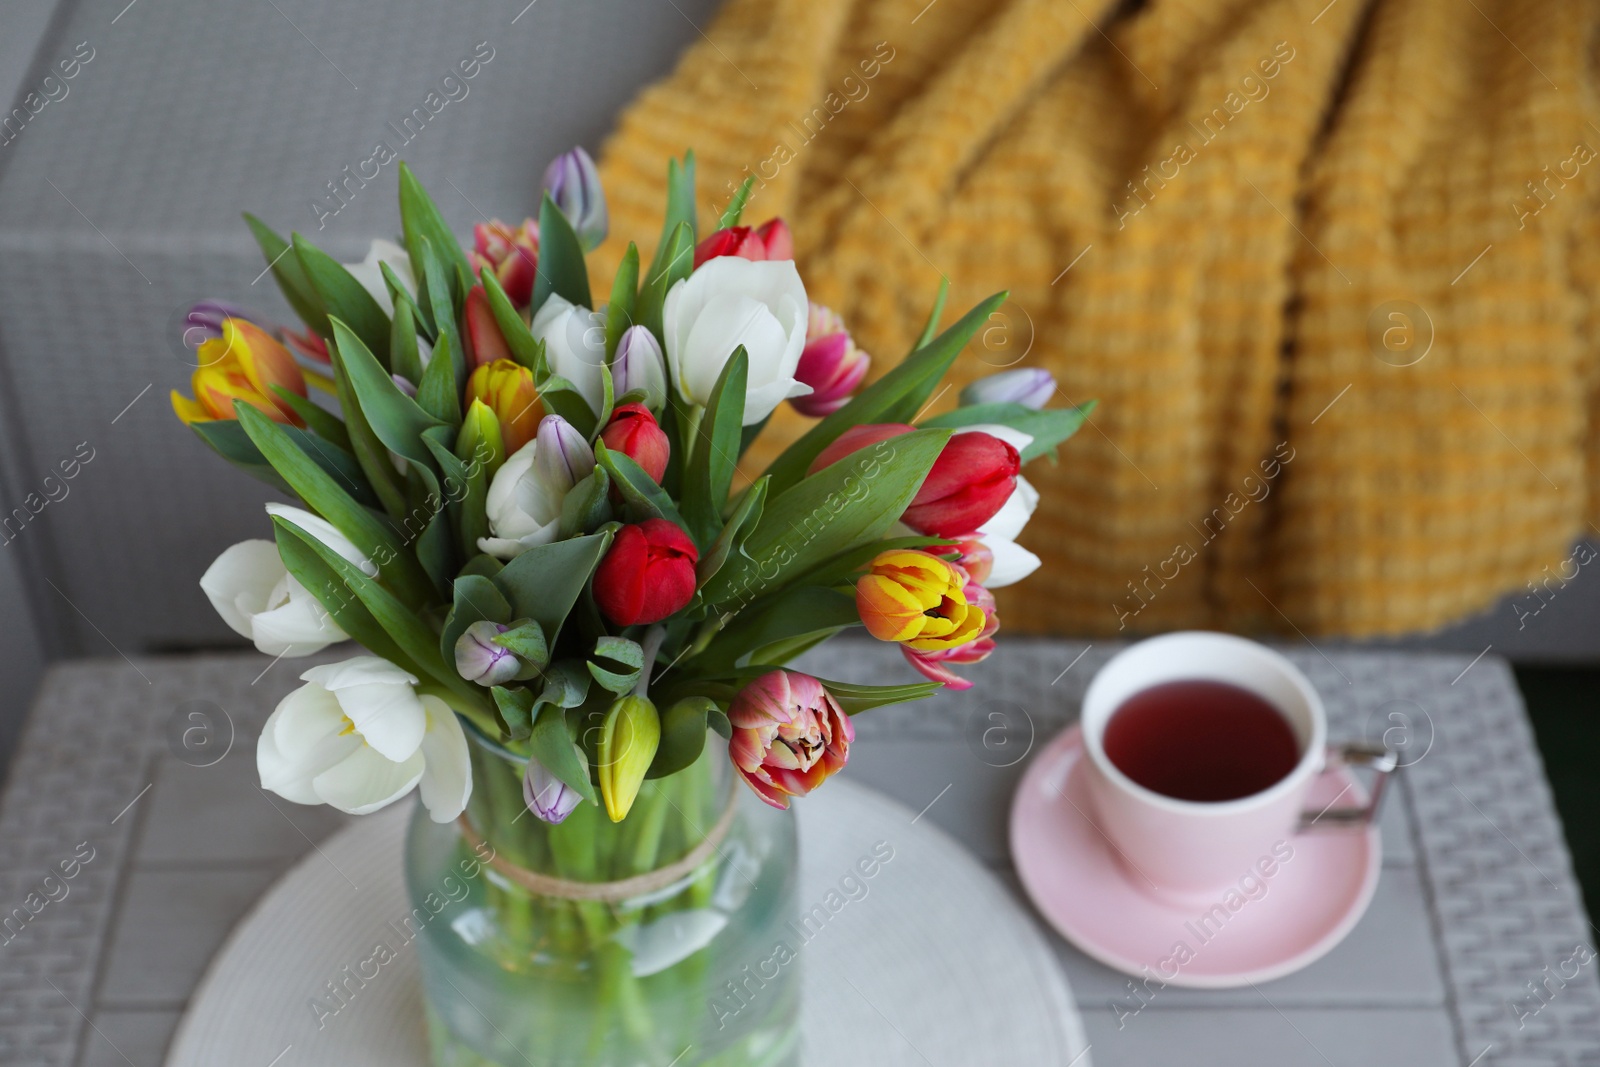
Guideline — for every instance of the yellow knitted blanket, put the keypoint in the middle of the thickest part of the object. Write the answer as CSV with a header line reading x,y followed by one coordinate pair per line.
x,y
1329,266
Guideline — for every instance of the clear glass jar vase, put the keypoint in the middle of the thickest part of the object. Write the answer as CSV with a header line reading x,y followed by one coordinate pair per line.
x,y
660,939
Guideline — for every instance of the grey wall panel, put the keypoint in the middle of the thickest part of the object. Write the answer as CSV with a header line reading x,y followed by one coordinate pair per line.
x,y
119,204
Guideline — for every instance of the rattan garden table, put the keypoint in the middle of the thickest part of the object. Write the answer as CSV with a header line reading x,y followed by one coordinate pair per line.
x,y
138,776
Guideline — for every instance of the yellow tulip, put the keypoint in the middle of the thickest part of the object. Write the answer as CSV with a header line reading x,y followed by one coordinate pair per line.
x,y
243,364
507,389
917,599
628,742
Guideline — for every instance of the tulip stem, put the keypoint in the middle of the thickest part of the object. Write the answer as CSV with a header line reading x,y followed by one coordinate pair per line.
x,y
652,645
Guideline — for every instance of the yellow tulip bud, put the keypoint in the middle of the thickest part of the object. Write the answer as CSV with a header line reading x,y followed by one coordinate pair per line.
x,y
628,741
507,389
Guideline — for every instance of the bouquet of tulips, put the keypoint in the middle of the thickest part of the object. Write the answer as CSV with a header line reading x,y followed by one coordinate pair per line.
x,y
532,515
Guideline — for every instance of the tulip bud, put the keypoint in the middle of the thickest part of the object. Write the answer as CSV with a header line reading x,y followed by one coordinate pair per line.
x,y
628,742
511,255
563,457
479,659
634,432
507,389
574,185
830,363
479,439
548,797
789,736
1031,387
647,575
770,240
482,337
970,480
638,364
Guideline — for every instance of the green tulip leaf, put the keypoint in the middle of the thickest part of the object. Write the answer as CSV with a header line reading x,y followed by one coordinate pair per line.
x,y
674,261
715,451
617,663
342,296
525,348
931,327
844,506
587,506
624,291
324,583
423,225
376,539
437,394
735,209
444,305
401,297
643,496
405,356
289,275
475,599
854,699
544,582
561,265
683,735
1048,427
552,745
526,641
516,710
800,611
745,517
229,440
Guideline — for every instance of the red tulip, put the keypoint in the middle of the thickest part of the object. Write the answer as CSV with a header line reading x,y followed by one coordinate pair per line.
x,y
770,240
647,575
831,364
969,482
789,736
482,337
634,432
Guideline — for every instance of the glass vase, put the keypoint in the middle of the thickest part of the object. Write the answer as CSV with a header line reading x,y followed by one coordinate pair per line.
x,y
660,939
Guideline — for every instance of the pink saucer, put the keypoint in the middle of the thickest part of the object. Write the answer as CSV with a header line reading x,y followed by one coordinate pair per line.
x,y
1276,926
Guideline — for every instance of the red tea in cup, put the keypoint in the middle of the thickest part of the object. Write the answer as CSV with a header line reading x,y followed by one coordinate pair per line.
x,y
1201,740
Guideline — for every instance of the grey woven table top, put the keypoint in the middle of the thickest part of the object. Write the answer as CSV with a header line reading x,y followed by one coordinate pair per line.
x,y
1475,950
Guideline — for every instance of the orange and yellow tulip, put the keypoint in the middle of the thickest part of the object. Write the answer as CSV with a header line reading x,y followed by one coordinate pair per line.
x,y
507,389
919,600
241,365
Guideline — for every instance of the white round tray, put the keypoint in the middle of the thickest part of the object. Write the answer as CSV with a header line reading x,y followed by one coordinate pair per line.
x,y
935,964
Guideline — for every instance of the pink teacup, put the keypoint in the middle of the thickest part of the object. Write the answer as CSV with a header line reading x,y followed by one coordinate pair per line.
x,y
1185,849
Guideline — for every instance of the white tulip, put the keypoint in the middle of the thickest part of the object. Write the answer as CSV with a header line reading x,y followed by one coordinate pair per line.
x,y
730,302
575,345
257,596
524,503
358,737
324,531
1012,562
370,274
